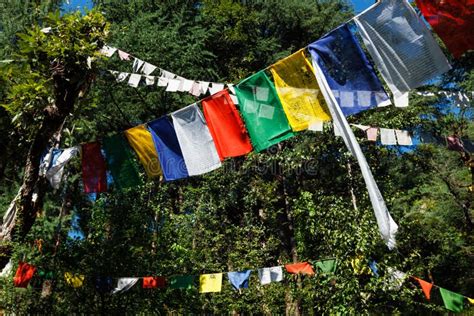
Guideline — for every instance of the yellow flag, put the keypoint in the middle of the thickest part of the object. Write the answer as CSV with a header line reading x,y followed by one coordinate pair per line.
x,y
74,280
210,283
141,141
299,92
471,300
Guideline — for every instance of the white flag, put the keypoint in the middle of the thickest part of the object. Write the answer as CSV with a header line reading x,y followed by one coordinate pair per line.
x,y
403,138
215,87
387,137
137,64
204,85
163,82
108,51
149,80
148,68
122,76
134,80
187,85
173,85
56,171
124,284
269,275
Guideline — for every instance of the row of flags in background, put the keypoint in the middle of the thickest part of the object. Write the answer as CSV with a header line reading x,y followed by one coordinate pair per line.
x,y
259,112
239,280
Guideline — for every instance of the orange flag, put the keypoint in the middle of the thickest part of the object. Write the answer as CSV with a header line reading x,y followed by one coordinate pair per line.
x,y
301,267
426,287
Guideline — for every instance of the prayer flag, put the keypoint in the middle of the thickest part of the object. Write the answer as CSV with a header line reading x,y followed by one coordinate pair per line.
x,y
181,282
103,284
93,168
124,284
372,134
452,301
24,274
395,279
134,80
373,268
148,68
195,140
300,267
167,147
56,170
298,91
327,266
387,226
120,162
209,283
123,55
7,269
348,72
107,50
268,275
162,82
262,111
387,137
149,80
403,138
141,141
74,280
137,64
471,300
401,46
226,126
453,21
215,87
122,76
239,280
173,85
154,282
204,86
426,287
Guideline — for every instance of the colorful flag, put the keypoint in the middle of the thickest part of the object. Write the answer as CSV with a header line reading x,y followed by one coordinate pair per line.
x,y
195,140
262,111
401,46
387,226
209,283
120,162
298,91
167,147
373,267
226,126
239,280
154,282
141,141
94,175
124,284
453,21
471,300
74,280
300,268
452,301
272,274
348,72
426,287
24,274
327,266
181,282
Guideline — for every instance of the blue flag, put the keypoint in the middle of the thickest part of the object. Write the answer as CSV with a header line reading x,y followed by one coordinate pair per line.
x,y
239,280
167,147
348,72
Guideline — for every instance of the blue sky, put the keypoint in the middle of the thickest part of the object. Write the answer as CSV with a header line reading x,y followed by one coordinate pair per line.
x,y
359,5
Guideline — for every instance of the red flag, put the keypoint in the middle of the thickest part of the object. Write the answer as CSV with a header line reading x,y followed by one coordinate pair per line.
x,y
23,274
154,282
453,21
301,267
226,126
93,168
426,287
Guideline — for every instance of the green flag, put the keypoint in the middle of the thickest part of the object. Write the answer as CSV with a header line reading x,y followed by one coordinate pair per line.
x,y
327,266
120,162
182,282
452,301
262,111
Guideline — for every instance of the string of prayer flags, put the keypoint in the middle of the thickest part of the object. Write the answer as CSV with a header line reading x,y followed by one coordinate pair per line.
x,y
426,287
154,282
298,91
195,140
453,21
226,126
327,266
387,137
141,141
185,282
94,170
74,280
262,111
167,147
124,284
120,162
103,284
239,280
299,268
209,283
269,275
24,274
387,226
452,301
401,46
348,72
